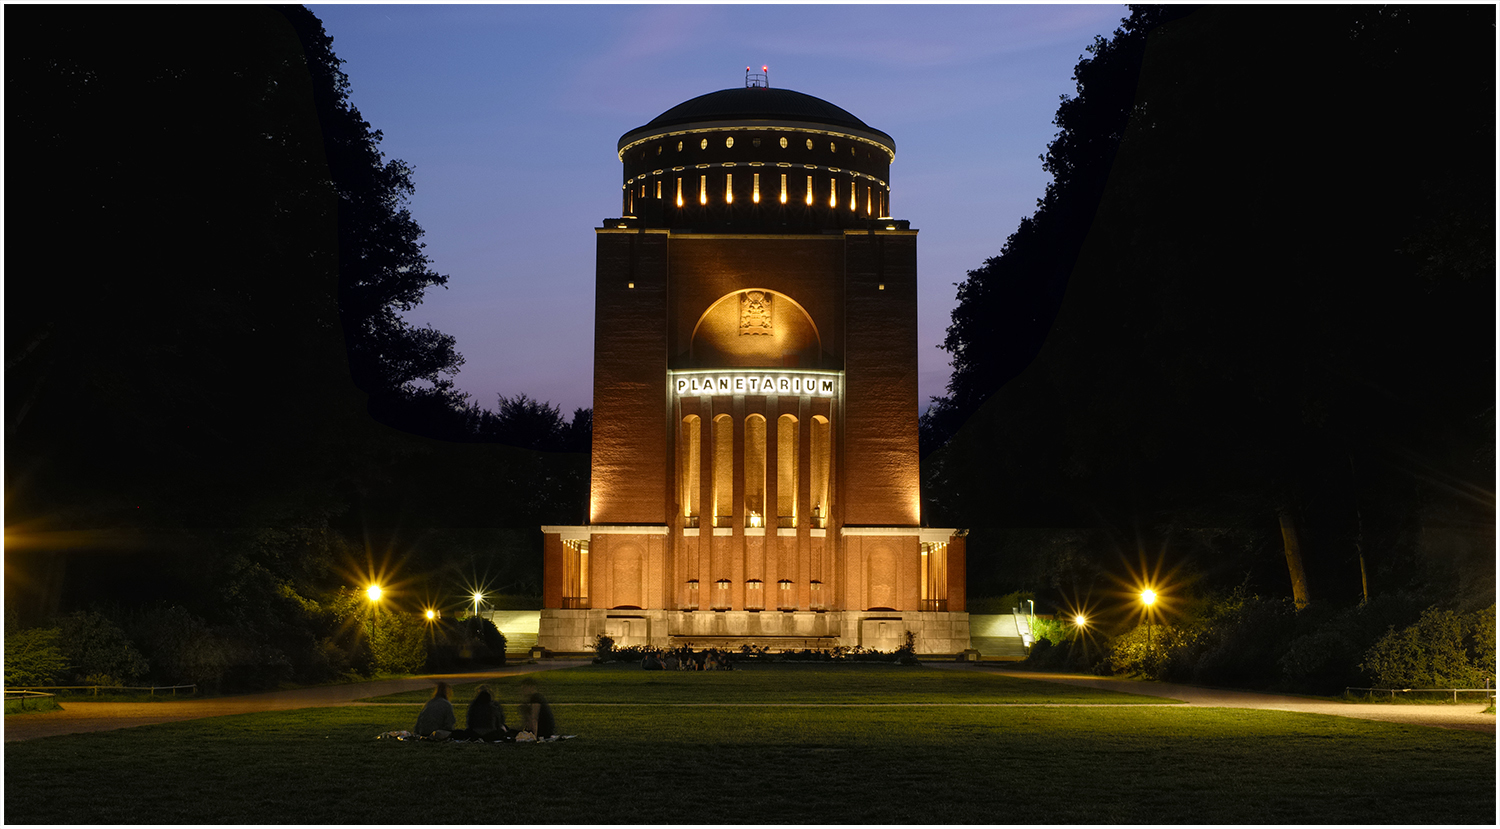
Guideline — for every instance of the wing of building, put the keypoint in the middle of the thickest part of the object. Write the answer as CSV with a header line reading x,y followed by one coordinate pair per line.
x,y
755,469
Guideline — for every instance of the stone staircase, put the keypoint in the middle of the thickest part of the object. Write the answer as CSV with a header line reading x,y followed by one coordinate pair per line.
x,y
996,636
519,627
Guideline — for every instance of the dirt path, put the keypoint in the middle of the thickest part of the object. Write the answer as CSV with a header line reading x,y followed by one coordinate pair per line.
x,y
78,716
1464,716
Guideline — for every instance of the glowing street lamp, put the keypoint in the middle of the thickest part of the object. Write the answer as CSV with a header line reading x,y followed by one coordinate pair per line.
x,y
373,593
431,614
478,597
1148,598
1081,620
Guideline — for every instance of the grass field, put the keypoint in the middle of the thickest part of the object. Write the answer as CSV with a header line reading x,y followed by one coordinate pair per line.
x,y
697,748
27,705
787,683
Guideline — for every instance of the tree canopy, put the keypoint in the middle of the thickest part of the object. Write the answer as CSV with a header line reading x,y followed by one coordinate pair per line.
x,y
208,255
1278,324
382,269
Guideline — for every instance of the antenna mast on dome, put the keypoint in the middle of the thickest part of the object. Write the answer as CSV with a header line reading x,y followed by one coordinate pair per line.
x,y
761,79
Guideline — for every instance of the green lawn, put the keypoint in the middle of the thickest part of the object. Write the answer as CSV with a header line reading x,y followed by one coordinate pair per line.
x,y
659,762
761,683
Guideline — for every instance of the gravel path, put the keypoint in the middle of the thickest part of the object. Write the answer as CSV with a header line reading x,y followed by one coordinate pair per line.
x,y
1465,715
78,716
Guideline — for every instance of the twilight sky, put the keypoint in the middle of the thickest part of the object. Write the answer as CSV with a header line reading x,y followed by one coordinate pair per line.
x,y
509,116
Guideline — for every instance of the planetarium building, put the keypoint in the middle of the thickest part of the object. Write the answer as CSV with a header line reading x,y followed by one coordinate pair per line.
x,y
755,468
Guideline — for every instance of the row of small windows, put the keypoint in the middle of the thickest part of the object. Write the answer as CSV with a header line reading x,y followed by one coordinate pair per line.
x,y
788,188
730,165
692,449
786,598
833,146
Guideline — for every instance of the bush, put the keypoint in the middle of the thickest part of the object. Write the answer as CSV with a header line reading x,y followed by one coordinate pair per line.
x,y
1442,650
180,647
488,637
1235,640
1479,641
1053,630
1322,662
98,652
33,657
398,644
907,653
1142,651
454,645
603,648
1073,654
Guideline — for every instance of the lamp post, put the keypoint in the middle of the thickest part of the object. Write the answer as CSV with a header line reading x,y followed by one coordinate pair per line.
x,y
478,597
1148,597
373,593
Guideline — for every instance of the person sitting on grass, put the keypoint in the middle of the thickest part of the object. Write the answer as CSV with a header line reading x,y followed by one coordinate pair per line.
x,y
486,719
536,714
436,720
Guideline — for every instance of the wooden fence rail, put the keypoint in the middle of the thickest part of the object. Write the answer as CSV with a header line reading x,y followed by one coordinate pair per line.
x,y
95,688
1454,691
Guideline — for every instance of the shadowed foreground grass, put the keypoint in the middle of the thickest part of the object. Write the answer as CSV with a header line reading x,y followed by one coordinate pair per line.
x,y
662,763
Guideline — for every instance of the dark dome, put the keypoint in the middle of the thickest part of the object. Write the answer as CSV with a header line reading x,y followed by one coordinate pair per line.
x,y
757,103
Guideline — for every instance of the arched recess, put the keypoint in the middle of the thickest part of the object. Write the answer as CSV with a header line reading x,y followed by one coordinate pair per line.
x,y
688,450
755,327
627,570
786,470
881,578
755,470
723,449
822,435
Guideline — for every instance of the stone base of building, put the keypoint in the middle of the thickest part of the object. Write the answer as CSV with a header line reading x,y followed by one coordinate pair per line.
x,y
574,631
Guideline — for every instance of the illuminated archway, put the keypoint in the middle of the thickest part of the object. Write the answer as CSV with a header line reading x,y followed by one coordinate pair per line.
x,y
755,327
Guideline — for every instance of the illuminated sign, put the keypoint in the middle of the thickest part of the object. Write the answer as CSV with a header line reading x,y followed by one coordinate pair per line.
x,y
707,384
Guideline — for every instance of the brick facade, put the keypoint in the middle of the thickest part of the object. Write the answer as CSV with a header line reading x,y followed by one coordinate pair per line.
x,y
755,468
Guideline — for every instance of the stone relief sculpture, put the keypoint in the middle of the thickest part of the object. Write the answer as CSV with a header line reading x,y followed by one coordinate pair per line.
x,y
755,312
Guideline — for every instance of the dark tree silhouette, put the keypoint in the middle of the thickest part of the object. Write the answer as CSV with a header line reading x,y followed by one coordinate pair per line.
x,y
1006,306
382,269
1278,333
527,423
580,432
176,380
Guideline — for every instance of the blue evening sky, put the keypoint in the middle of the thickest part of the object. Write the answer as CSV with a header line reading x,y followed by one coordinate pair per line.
x,y
509,115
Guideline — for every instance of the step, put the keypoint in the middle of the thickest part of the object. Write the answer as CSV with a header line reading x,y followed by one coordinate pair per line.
x,y
993,646
519,627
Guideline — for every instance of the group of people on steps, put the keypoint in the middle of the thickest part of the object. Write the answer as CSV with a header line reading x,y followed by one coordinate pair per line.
x,y
485,719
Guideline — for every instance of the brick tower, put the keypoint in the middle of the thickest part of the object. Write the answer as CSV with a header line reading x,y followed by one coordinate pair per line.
x,y
755,469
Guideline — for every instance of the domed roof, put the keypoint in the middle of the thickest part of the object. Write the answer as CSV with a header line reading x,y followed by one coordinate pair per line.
x,y
757,103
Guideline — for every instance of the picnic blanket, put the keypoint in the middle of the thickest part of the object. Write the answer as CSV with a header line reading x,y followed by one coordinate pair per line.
x,y
523,737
